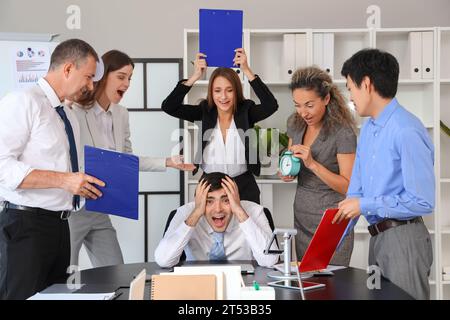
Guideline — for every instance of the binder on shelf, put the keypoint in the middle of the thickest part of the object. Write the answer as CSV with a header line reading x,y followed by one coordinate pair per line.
x,y
427,55
220,34
120,172
183,287
323,51
415,54
289,55
318,49
300,50
328,53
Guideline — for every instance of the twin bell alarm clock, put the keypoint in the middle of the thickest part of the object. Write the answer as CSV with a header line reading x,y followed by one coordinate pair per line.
x,y
289,165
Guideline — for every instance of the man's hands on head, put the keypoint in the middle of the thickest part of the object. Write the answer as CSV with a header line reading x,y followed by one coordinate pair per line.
x,y
201,194
232,191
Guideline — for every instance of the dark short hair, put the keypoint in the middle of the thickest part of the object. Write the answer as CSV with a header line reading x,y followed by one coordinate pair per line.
x,y
75,51
379,66
214,179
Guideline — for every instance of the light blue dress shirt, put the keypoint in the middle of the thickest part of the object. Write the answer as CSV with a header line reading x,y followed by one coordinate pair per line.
x,y
393,174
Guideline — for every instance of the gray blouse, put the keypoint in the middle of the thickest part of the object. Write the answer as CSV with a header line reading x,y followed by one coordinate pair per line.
x,y
324,150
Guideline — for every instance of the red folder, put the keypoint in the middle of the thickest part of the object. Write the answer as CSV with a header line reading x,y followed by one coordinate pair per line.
x,y
324,242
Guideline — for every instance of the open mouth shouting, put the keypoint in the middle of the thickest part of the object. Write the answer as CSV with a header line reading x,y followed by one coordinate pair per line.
x,y
308,119
219,220
121,93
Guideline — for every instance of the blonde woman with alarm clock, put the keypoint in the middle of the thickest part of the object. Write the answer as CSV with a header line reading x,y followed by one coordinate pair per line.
x,y
322,135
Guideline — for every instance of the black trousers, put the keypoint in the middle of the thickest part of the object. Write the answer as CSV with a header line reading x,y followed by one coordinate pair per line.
x,y
34,253
248,189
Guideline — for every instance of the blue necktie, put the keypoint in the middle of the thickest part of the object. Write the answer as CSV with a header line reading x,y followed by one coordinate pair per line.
x,y
217,250
73,149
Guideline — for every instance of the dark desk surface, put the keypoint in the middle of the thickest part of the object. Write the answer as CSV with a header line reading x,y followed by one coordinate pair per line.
x,y
346,284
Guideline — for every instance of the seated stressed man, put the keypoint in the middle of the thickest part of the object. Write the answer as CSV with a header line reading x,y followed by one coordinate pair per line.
x,y
217,226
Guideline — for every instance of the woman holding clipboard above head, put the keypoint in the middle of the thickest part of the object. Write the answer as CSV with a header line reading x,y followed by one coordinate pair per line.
x,y
104,123
322,136
226,116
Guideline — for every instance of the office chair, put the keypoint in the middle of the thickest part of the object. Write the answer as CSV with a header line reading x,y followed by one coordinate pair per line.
x,y
183,255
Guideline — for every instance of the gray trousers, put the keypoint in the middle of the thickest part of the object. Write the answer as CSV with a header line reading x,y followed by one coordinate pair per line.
x,y
404,255
99,237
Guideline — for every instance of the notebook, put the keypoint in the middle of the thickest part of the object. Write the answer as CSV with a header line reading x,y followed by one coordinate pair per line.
x,y
232,277
220,277
183,287
323,244
72,296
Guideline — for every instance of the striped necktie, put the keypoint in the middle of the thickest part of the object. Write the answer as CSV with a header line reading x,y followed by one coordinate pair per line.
x,y
217,250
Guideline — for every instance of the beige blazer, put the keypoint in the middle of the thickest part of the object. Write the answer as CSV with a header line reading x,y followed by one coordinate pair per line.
x,y
90,135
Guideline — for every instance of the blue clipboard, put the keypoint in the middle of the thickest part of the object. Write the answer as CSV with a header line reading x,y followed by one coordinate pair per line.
x,y
120,172
220,34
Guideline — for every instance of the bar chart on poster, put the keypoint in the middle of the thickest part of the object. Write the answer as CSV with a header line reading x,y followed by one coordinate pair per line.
x,y
22,63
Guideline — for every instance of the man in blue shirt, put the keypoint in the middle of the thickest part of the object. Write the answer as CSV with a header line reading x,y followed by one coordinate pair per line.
x,y
392,183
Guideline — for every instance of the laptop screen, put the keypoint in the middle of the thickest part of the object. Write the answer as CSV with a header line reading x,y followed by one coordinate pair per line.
x,y
323,244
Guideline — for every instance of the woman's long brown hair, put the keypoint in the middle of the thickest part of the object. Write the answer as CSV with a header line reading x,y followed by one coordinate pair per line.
x,y
337,113
112,60
236,84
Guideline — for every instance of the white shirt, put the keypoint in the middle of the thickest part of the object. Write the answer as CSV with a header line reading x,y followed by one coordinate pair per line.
x,y
228,157
105,125
242,241
33,136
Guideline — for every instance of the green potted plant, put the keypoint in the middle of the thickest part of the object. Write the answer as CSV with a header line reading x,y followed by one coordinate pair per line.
x,y
265,140
269,166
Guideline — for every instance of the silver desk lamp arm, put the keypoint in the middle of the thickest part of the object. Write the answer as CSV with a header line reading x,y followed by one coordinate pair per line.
x,y
287,241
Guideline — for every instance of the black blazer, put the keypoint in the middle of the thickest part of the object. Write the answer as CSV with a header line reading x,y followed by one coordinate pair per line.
x,y
247,114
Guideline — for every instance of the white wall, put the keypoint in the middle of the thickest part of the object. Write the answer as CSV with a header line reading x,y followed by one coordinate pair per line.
x,y
154,29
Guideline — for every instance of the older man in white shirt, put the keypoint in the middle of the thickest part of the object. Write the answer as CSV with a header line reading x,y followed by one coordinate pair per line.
x,y
39,182
218,226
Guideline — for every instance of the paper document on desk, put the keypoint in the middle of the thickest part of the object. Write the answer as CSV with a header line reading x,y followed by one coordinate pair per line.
x,y
329,269
72,296
232,274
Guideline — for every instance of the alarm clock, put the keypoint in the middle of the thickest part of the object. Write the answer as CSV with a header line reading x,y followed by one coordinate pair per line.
x,y
289,165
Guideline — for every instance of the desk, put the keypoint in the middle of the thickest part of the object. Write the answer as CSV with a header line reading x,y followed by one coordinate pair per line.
x,y
346,284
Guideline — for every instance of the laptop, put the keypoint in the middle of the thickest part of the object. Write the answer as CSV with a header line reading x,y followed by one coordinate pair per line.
x,y
319,252
247,268
323,243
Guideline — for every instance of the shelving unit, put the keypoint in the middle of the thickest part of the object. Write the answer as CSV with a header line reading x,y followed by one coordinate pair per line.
x,y
426,93
443,156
